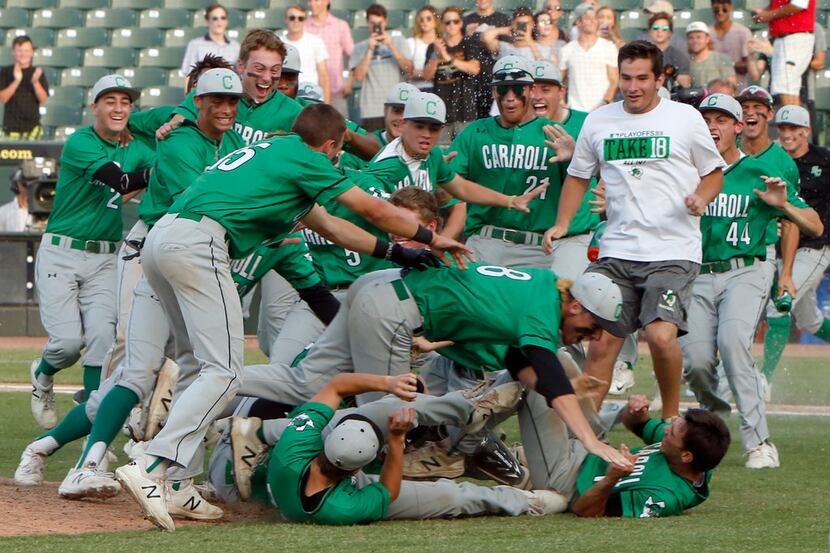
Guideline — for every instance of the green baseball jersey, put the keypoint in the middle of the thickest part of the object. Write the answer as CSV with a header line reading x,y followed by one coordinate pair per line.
x,y
512,161
348,160
180,159
292,261
488,304
85,208
395,169
261,192
583,220
253,121
338,266
144,124
382,137
653,489
735,222
776,157
291,459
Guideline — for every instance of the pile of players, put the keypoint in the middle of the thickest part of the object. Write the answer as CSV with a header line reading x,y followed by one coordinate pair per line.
x,y
369,299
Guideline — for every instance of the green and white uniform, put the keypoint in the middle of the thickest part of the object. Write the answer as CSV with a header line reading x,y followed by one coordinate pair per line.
x,y
348,160
144,124
729,296
254,196
75,272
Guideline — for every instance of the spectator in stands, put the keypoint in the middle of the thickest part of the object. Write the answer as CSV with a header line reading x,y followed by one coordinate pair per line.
x,y
381,62
337,36
663,6
454,62
791,26
760,53
554,9
481,19
730,38
706,65
808,86
313,53
214,42
589,64
14,216
660,31
517,39
608,28
719,86
426,29
23,88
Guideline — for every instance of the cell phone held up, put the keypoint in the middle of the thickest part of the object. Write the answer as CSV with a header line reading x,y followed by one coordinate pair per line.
x,y
521,26
376,29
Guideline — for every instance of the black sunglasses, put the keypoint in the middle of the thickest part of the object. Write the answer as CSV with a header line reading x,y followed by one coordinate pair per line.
x,y
296,18
503,89
510,75
218,17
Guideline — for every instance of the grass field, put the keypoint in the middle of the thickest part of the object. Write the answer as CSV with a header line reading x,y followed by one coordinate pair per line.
x,y
767,511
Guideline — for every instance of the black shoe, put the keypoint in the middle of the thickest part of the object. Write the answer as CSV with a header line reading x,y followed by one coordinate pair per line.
x,y
493,460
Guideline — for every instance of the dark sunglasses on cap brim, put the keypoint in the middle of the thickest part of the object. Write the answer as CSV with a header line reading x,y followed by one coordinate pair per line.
x,y
518,75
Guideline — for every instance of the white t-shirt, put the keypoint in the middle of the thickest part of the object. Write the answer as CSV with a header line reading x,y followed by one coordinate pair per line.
x,y
650,162
312,51
418,48
587,72
14,218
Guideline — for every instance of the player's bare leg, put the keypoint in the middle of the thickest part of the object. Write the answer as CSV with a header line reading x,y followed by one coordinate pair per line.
x,y
667,359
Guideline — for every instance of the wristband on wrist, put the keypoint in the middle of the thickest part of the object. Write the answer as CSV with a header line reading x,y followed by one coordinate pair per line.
x,y
381,247
423,235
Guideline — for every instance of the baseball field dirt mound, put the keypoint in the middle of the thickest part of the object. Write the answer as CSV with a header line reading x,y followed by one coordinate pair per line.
x,y
28,511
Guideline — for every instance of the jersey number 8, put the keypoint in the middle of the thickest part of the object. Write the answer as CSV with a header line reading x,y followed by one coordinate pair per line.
x,y
496,271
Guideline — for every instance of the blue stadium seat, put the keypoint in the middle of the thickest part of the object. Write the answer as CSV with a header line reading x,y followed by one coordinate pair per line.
x,y
282,4
165,18
632,20
345,15
57,18
53,75
161,96
350,4
6,57
84,4
180,37
62,133
32,4
137,4
70,95
87,117
112,18
169,58
54,114
111,56
82,76
138,37
58,57
14,17
85,37
142,77
40,37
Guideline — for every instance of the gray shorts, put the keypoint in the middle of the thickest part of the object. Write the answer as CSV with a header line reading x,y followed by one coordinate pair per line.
x,y
651,291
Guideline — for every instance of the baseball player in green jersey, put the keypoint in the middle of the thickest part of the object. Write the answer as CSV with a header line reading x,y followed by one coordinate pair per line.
x,y
275,185
813,254
75,271
508,153
731,291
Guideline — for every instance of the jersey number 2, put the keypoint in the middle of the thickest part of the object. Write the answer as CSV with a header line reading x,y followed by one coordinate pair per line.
x,y
114,202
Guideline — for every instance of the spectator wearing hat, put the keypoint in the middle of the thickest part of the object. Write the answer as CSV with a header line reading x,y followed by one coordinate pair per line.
x,y
312,49
730,37
706,65
337,36
214,42
675,60
23,88
589,64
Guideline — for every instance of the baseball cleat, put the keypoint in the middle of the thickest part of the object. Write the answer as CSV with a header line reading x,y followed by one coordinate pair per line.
x,y
187,503
43,399
545,502
622,379
493,460
150,493
248,452
159,405
432,462
134,425
89,481
494,401
762,456
30,470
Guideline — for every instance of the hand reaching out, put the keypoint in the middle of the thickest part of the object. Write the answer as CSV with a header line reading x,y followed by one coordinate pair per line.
x,y
560,142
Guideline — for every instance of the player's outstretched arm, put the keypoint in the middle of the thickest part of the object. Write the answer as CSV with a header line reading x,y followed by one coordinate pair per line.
x,y
573,191
392,472
805,218
474,193
350,384
364,146
594,502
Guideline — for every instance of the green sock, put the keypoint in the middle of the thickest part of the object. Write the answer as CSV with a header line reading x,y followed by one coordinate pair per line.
x,y
45,368
73,426
92,378
112,413
776,340
824,330
261,435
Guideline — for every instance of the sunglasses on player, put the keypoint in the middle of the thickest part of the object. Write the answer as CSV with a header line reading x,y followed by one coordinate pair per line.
x,y
503,89
510,75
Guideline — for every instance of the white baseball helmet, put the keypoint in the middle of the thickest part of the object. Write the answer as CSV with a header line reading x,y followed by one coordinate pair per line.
x,y
352,444
291,63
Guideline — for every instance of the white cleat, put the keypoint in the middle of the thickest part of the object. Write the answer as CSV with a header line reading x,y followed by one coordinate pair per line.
x,y
494,401
89,481
622,379
150,493
43,400
30,470
543,502
762,456
187,503
248,452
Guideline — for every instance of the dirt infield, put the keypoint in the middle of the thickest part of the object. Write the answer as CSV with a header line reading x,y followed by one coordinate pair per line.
x,y
20,506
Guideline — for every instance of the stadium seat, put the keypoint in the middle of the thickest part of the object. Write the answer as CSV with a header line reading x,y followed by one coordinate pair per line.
x,y
349,4
246,5
55,114
69,95
58,57
165,18
82,76
360,34
169,58
137,37
32,4
85,37
632,20
359,20
113,18
53,75
630,33
161,96
198,5
621,5
180,37
823,99
137,4
175,78
84,4
755,4
823,4
266,19
57,18
236,19
345,15
62,133
695,4
14,17
110,56
142,77
396,19
823,79
87,117
6,57
40,37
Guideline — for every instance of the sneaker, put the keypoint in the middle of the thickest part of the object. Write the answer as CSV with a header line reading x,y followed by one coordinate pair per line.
x,y
30,470
493,460
494,401
89,481
656,402
149,492
248,452
134,425
187,503
432,462
622,379
159,405
762,456
545,502
43,400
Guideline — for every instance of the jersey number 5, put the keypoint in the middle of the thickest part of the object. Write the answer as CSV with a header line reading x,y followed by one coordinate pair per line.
x,y
239,157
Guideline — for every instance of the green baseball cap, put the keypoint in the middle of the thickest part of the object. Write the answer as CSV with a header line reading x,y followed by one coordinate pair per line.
x,y
724,103
110,83
219,81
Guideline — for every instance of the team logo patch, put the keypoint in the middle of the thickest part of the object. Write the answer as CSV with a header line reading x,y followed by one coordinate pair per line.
x,y
618,311
816,171
636,172
667,300
301,422
652,508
